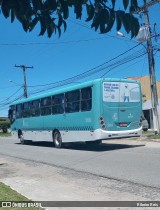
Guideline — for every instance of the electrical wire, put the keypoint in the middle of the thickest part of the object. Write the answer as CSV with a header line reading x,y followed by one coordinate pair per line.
x,y
124,62
125,68
55,43
11,101
110,67
88,71
83,75
1,102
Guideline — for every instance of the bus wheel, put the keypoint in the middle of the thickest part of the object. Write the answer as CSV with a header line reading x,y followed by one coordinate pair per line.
x,y
57,139
22,139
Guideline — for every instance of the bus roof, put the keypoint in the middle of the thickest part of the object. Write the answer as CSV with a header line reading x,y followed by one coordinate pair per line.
x,y
73,87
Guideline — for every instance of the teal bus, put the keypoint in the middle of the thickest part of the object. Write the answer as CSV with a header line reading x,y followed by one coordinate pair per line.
x,y
91,112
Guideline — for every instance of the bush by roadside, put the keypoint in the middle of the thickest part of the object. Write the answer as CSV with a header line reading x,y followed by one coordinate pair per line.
x,y
5,134
4,125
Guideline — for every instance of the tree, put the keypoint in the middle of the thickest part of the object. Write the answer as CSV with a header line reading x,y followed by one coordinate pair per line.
x,y
52,14
4,125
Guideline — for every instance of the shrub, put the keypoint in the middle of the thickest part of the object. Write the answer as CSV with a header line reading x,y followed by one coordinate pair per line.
x,y
4,125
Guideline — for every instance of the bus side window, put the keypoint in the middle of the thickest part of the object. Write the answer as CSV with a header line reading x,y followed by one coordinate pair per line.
x,y
58,104
19,111
86,99
46,106
26,110
72,101
35,108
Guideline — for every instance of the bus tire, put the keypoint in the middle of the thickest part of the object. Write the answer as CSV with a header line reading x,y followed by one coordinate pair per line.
x,y
57,139
21,138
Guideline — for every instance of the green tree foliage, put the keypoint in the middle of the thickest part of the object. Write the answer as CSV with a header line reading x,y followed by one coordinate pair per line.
x,y
52,14
4,125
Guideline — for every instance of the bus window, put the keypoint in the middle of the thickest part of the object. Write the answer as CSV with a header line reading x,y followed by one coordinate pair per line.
x,y
46,106
35,108
72,101
58,104
26,110
86,99
18,110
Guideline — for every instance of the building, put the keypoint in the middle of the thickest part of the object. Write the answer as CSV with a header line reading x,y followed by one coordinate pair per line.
x,y
146,97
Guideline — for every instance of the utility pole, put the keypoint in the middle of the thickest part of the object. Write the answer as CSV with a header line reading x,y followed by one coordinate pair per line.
x,y
23,67
151,62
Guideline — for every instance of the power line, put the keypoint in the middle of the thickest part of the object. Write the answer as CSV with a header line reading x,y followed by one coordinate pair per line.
x,y
55,43
6,104
110,67
124,62
10,102
94,70
89,28
88,71
129,66
9,97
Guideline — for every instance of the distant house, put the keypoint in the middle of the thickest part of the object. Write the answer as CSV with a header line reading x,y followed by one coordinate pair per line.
x,y
147,103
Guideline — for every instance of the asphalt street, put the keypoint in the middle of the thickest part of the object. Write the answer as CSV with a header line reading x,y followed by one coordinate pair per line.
x,y
129,160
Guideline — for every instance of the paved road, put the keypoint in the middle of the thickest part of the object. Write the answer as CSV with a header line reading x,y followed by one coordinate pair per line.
x,y
131,161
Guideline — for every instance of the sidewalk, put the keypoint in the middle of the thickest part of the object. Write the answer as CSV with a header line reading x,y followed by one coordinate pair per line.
x,y
148,137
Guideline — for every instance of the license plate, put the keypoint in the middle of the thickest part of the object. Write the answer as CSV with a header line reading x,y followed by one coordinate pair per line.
x,y
123,124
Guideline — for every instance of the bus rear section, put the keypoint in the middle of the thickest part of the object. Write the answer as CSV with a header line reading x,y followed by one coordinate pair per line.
x,y
121,109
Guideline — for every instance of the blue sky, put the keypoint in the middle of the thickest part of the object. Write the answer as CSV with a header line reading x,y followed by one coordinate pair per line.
x,y
79,49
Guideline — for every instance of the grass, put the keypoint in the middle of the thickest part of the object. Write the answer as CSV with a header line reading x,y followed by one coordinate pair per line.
x,y
5,134
148,132
154,137
150,136
7,194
